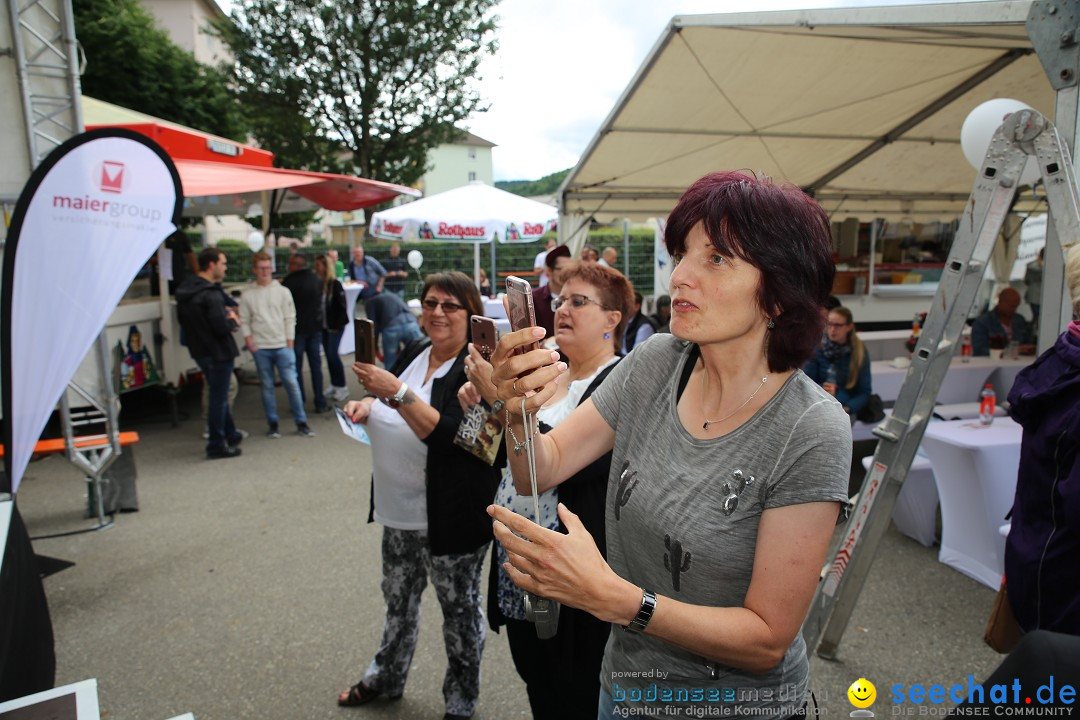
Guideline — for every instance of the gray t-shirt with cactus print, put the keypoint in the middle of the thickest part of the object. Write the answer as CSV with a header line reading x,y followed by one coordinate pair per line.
x,y
683,514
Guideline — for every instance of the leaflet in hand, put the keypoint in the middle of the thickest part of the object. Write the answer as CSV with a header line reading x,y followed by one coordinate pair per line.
x,y
353,429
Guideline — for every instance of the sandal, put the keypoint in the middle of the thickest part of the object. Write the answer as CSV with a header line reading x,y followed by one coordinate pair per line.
x,y
361,694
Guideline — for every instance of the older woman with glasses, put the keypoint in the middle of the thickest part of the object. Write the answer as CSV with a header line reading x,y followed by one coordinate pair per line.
x,y
840,364
729,466
562,674
429,495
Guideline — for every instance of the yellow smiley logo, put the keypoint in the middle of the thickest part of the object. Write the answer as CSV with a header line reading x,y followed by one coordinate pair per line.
x,y
862,693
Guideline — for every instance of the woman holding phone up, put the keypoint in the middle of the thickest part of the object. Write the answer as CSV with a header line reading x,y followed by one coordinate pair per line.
x,y
562,673
729,464
430,496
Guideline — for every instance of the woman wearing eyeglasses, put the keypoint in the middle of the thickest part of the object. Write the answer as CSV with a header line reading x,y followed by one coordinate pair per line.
x,y
843,352
728,471
562,674
430,496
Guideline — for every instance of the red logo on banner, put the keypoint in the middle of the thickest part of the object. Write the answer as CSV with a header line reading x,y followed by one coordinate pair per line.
x,y
112,177
460,231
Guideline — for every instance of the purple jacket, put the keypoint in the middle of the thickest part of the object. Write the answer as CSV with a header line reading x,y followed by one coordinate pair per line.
x,y
1042,552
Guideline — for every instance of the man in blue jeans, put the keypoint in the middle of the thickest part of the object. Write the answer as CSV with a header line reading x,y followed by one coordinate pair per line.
x,y
208,326
394,323
268,317
307,295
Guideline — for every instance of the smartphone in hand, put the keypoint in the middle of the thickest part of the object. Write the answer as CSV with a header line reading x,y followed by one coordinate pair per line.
x,y
522,314
364,330
484,335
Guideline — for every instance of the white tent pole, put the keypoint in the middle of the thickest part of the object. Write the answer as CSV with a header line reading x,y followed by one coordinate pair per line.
x,y
1056,311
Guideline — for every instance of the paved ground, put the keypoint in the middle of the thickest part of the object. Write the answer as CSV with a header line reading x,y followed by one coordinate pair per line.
x,y
249,588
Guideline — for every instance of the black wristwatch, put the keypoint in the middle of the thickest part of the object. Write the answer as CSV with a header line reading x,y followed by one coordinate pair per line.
x,y
644,613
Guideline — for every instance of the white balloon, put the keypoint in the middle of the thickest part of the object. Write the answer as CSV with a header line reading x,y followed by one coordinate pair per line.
x,y
256,241
416,259
979,128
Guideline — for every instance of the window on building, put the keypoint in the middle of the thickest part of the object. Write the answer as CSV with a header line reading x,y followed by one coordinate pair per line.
x,y
472,153
472,176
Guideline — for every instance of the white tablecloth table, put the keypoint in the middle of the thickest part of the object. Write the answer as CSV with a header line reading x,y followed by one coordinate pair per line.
x,y
975,470
348,338
494,308
915,512
885,344
962,384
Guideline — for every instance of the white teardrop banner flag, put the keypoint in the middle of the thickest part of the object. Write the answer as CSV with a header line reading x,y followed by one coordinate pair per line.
x,y
88,219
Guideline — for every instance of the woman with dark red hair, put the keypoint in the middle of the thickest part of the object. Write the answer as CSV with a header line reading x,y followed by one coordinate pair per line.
x,y
728,471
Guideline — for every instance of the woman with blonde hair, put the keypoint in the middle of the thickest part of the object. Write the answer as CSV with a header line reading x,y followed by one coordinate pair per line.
x,y
335,319
843,351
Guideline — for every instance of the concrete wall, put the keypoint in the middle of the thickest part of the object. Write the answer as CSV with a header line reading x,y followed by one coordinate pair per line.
x,y
186,22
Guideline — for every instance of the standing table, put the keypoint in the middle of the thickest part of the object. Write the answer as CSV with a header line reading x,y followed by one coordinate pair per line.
x,y
348,337
975,469
962,383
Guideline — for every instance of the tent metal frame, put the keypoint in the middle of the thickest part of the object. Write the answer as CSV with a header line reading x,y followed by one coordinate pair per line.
x,y
1052,27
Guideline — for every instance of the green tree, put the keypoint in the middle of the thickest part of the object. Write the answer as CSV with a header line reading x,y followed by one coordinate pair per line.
x,y
372,84
131,62
531,188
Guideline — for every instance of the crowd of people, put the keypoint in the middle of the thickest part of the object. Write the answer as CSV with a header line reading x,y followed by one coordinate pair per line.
x,y
691,464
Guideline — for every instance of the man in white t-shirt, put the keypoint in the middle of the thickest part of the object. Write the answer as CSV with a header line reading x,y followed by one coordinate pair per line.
x,y
538,264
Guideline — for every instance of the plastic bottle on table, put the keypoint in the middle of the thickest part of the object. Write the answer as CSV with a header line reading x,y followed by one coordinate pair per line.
x,y
987,404
965,347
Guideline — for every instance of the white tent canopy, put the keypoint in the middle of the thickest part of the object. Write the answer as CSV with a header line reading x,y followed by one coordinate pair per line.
x,y
476,213
861,106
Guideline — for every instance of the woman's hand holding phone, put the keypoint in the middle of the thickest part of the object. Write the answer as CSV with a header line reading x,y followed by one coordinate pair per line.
x,y
530,375
380,383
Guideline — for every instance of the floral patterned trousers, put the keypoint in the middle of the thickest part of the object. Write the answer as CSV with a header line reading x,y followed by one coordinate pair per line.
x,y
407,563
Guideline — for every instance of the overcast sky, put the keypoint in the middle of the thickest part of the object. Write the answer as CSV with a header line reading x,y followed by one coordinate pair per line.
x,y
562,64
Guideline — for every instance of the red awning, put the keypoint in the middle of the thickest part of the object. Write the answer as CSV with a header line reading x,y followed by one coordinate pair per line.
x,y
220,176
333,192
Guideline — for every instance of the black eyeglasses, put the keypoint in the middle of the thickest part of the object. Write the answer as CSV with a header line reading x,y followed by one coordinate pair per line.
x,y
576,301
447,307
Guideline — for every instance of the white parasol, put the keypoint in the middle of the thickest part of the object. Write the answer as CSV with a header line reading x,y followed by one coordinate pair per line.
x,y
474,213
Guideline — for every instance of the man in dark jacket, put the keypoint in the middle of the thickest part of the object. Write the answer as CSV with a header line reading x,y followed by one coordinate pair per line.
x,y
208,325
306,289
639,328
394,323
557,258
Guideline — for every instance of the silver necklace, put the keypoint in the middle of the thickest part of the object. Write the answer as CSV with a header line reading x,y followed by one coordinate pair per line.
x,y
709,422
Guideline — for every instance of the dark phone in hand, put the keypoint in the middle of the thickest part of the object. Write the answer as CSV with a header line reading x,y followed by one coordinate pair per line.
x,y
365,340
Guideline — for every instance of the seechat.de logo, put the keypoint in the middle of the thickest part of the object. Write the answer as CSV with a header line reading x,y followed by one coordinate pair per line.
x,y
862,694
112,177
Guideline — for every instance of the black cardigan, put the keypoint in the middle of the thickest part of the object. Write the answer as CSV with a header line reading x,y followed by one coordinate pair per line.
x,y
460,486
